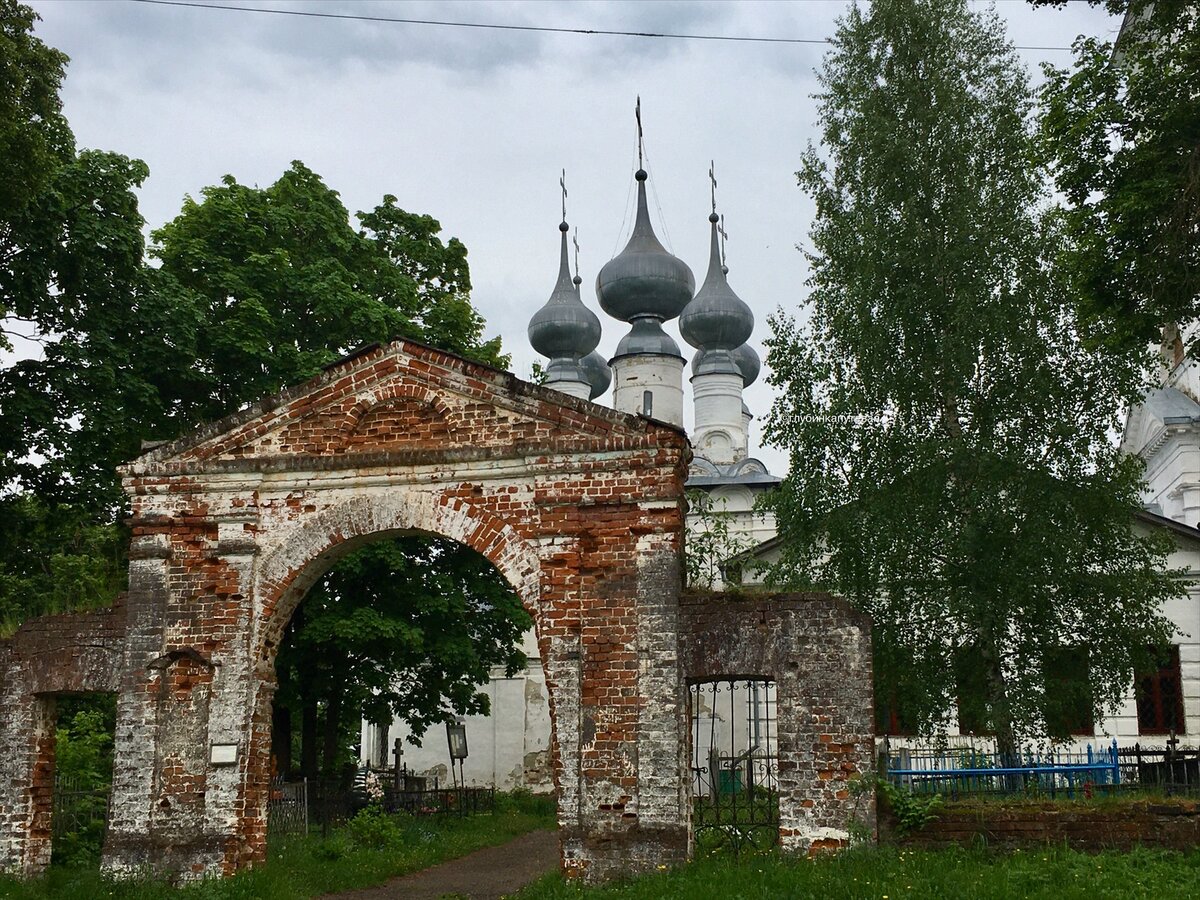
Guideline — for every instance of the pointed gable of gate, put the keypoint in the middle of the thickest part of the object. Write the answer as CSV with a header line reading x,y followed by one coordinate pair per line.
x,y
405,399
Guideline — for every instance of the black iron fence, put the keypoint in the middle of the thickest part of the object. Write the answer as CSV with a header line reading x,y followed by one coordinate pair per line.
x,y
79,807
1169,769
79,819
287,807
298,807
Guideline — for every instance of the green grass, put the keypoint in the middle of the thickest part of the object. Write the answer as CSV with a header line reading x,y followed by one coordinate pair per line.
x,y
876,873
367,852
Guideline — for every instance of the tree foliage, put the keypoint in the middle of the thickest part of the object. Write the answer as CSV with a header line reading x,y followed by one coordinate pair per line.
x,y
34,136
1122,132
951,464
285,285
405,627
255,289
712,540
83,767
56,558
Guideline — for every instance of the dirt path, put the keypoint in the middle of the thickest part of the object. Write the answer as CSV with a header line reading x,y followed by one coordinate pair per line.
x,y
486,874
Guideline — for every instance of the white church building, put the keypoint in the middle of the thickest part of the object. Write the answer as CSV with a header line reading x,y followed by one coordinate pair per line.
x,y
646,286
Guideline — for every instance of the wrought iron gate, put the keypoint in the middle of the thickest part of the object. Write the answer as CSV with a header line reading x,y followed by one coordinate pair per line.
x,y
735,763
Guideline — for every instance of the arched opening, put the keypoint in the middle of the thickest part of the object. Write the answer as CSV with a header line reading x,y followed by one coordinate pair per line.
x,y
392,630
406,628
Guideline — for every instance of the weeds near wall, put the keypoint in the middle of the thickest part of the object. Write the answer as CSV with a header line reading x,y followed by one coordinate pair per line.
x,y
912,811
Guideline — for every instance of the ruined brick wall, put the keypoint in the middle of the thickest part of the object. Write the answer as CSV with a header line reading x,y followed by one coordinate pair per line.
x,y
581,509
817,649
47,656
578,506
1170,824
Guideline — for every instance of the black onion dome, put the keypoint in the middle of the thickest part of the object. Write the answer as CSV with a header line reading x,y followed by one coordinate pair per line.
x,y
747,360
564,327
644,279
597,373
716,319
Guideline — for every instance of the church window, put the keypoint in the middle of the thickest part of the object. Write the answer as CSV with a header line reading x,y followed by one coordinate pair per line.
x,y
891,718
971,681
1160,696
1068,692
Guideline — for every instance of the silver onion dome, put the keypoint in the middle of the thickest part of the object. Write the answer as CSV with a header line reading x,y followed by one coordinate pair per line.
x,y
564,328
647,336
597,373
747,360
715,362
716,319
644,280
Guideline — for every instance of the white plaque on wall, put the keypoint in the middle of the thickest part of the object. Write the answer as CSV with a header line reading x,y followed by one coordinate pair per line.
x,y
224,754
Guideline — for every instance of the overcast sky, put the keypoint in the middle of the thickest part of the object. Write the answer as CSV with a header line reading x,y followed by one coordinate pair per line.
x,y
473,125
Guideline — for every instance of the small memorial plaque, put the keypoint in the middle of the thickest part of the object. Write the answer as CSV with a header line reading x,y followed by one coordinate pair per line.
x,y
224,754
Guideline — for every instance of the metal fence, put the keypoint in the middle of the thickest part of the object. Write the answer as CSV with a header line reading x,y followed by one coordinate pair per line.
x,y
1169,769
969,769
956,771
297,807
287,808
79,808
735,764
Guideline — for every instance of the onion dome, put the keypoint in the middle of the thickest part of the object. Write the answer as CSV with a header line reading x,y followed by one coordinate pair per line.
x,y
747,360
714,362
597,373
644,280
647,336
716,319
564,328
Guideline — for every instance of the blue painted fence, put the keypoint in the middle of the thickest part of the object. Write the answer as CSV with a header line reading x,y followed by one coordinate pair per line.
x,y
965,770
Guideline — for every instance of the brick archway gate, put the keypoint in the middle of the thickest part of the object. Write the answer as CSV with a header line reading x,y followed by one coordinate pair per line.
x,y
578,506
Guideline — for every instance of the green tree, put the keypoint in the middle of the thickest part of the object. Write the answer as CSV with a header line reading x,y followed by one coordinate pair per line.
x,y
404,627
257,289
70,269
285,285
952,468
83,765
711,541
56,558
1121,129
34,137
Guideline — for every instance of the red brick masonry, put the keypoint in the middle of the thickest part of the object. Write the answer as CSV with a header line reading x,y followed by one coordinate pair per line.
x,y
1108,825
580,507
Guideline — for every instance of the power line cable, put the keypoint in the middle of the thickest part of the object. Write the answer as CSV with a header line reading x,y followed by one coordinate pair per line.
x,y
398,20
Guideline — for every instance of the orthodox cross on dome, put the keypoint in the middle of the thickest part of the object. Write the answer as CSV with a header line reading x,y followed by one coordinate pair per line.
x,y
724,238
575,241
713,178
637,114
562,183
